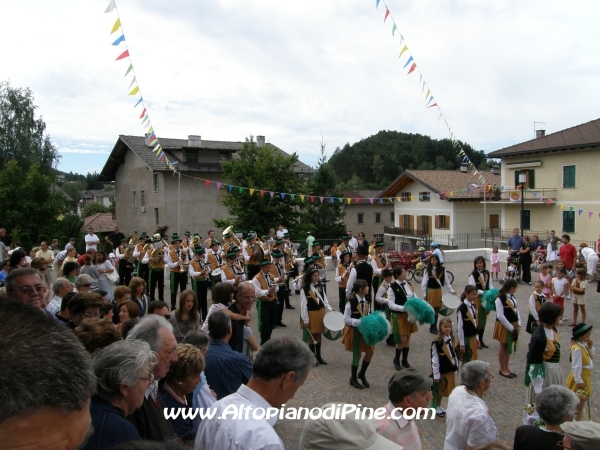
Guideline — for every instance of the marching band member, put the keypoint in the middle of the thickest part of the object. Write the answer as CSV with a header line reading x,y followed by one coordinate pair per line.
x,y
280,277
508,325
176,263
265,245
299,280
266,289
398,294
211,237
444,363
434,277
156,258
382,292
139,253
292,254
379,262
321,263
313,305
342,271
357,307
228,242
466,315
215,260
199,271
125,263
230,273
186,243
344,246
481,279
253,255
361,271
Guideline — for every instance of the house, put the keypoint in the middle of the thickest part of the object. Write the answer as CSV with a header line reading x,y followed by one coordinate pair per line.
x,y
440,204
104,197
561,167
149,194
368,215
101,223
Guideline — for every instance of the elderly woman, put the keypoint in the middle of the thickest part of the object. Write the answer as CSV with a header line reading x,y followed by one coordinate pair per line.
x,y
127,311
89,269
41,265
124,372
83,283
468,422
186,317
176,388
555,405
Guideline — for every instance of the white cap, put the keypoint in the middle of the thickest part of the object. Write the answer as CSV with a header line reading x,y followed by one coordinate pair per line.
x,y
347,434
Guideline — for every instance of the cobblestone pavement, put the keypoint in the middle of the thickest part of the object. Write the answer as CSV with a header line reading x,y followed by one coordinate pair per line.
x,y
505,398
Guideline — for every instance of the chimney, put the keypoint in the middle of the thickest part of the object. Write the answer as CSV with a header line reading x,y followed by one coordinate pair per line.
x,y
540,133
260,141
194,140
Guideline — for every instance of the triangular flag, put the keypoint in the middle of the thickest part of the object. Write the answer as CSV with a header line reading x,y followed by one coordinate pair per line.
x,y
377,3
293,196
428,92
321,198
139,101
135,90
240,189
371,200
331,199
143,113
579,211
312,197
119,40
272,193
302,198
390,200
133,81
549,201
394,29
431,106
116,26
251,191
380,200
207,183
428,101
402,51
261,192
357,200
341,200
282,195
349,200
229,187
413,67
409,61
387,13
571,209
145,120
110,7
129,69
590,214
125,54
398,198
219,185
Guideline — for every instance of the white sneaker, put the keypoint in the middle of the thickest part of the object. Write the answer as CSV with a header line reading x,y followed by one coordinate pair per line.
x,y
569,297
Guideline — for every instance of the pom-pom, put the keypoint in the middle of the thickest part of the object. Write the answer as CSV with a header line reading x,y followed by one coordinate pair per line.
x,y
489,299
420,310
374,328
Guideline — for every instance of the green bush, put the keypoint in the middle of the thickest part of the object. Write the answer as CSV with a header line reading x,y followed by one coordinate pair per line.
x,y
43,237
25,241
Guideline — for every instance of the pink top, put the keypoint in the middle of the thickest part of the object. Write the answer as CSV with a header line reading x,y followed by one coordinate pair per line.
x,y
495,258
545,279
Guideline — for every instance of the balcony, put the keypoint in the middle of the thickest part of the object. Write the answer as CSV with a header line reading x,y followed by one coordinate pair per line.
x,y
533,196
406,231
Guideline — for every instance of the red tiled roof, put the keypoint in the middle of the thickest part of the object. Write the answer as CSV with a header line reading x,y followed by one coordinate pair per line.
x,y
101,222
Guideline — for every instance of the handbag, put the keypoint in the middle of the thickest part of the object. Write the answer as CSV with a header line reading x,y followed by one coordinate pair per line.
x,y
113,277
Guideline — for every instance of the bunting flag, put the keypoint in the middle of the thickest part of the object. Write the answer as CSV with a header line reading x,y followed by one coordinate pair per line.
x,y
116,26
207,183
110,7
387,13
377,3
413,67
218,185
251,191
408,61
394,28
125,54
262,192
119,40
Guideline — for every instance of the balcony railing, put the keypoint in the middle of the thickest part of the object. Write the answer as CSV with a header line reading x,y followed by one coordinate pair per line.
x,y
405,231
532,195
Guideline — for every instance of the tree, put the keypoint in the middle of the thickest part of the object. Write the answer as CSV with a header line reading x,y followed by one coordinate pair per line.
x,y
324,219
73,189
23,136
255,169
94,208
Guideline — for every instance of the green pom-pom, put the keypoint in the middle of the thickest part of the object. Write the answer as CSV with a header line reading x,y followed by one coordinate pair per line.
x,y
421,310
488,299
374,328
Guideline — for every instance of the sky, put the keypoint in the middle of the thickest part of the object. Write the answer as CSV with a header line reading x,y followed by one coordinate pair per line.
x,y
293,71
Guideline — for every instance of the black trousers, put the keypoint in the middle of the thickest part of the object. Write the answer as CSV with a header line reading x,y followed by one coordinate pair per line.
x,y
342,296
268,316
178,280
526,269
200,287
125,270
282,297
142,272
157,278
377,306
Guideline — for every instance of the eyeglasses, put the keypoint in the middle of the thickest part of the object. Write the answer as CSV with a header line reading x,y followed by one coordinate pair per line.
x,y
168,317
91,316
28,290
149,378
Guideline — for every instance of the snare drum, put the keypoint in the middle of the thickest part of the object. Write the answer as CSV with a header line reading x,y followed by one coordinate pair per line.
x,y
449,304
216,272
334,324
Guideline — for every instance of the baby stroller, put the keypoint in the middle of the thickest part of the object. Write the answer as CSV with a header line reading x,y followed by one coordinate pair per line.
x,y
540,258
512,269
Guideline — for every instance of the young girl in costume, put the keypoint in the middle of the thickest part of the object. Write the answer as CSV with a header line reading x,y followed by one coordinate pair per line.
x,y
545,277
536,300
508,325
482,280
578,289
313,306
468,337
444,363
582,355
434,278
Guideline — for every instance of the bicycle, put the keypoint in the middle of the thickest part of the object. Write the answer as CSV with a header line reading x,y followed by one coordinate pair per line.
x,y
417,274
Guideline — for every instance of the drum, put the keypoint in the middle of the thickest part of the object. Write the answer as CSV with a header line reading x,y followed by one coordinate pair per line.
x,y
449,304
334,324
216,272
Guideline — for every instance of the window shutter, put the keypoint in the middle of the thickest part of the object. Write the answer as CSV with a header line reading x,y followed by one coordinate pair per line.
x,y
517,177
419,224
429,225
531,179
410,223
437,222
447,220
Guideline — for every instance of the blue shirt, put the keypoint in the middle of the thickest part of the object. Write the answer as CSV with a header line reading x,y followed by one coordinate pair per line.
x,y
3,275
110,426
515,242
226,370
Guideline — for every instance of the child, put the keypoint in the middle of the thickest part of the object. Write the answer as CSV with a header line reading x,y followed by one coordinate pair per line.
x,y
333,253
381,295
398,294
508,325
444,363
578,288
222,297
559,288
495,260
546,278
536,300
468,336
582,353
420,261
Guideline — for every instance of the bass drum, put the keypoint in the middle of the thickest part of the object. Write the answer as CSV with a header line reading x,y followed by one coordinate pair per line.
x,y
450,302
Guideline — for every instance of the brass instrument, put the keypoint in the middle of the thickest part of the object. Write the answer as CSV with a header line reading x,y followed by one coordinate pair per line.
x,y
348,269
229,230
156,258
163,242
204,269
147,247
195,242
128,255
289,264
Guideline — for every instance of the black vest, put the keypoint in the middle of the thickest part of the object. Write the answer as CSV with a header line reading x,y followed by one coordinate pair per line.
x,y
468,328
485,274
311,304
355,313
510,315
399,294
364,271
446,365
432,283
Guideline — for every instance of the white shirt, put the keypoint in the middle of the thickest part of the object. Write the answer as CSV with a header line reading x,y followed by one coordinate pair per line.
x,y
435,358
461,326
348,320
577,361
280,233
304,302
391,298
91,241
425,280
245,434
500,312
54,305
472,283
353,243
259,291
532,305
352,277
468,421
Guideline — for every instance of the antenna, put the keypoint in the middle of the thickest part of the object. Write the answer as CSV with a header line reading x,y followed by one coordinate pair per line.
x,y
534,130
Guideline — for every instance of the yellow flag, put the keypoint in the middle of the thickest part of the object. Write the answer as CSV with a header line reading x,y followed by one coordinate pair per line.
x,y
116,26
135,90
398,198
348,200
562,206
403,50
302,197
251,191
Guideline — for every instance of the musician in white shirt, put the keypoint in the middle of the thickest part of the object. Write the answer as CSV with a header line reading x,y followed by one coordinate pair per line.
x,y
397,295
313,306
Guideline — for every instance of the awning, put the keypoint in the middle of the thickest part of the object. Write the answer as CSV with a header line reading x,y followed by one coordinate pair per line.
x,y
524,165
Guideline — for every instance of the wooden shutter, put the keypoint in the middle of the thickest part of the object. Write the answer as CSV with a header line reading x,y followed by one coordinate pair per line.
x,y
429,225
447,222
517,177
494,221
411,223
531,179
437,222
419,224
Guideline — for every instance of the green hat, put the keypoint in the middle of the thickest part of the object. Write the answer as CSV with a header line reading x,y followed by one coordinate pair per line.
x,y
580,329
316,244
309,260
280,241
187,233
231,254
421,249
267,236
265,262
344,253
286,235
199,250
213,243
250,236
197,235
345,237
277,253
143,235
124,240
176,237
155,239
315,257
226,235
379,244
235,249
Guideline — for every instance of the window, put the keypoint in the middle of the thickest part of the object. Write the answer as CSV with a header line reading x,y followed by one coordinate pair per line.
x,y
442,222
424,225
155,181
530,181
361,217
569,176
143,199
223,156
156,217
191,155
568,225
377,217
494,221
424,196
405,196
526,219
406,222
392,216
134,199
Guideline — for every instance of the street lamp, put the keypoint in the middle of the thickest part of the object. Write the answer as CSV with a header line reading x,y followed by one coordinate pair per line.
x,y
522,181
